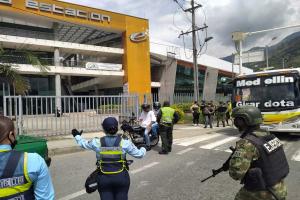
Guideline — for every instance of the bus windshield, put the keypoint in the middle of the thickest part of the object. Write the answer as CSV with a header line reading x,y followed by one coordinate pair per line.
x,y
269,93
265,93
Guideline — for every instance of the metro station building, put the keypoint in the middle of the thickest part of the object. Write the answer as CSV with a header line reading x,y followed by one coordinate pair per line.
x,y
97,52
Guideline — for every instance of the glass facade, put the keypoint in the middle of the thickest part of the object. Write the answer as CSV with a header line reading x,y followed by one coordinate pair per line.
x,y
185,79
41,85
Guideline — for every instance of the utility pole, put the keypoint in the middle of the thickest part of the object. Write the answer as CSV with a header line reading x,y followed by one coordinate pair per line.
x,y
196,80
194,30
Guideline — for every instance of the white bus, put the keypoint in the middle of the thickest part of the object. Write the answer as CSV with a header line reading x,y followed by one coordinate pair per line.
x,y
276,93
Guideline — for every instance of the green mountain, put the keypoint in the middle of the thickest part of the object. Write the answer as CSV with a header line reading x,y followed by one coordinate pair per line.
x,y
287,51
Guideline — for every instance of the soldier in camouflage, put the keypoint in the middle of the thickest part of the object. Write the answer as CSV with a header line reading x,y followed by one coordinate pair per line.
x,y
259,161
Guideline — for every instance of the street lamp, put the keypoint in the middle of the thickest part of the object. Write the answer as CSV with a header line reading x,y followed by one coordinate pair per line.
x,y
267,51
238,38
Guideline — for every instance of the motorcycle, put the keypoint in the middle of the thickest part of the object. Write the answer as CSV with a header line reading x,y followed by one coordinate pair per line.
x,y
136,134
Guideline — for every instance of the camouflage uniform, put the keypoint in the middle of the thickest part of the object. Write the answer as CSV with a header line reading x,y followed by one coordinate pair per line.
x,y
240,163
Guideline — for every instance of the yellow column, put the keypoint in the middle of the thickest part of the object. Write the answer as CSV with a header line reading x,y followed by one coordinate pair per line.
x,y
136,59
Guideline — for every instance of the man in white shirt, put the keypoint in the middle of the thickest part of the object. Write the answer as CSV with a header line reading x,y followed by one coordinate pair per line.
x,y
146,119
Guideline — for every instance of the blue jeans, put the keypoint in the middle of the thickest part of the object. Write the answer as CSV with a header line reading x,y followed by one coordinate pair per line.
x,y
155,128
146,136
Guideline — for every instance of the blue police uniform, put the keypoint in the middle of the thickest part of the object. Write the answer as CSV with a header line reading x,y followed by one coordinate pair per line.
x,y
112,186
28,179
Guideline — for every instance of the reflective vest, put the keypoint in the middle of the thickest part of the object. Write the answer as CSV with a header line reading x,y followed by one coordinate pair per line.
x,y
272,160
167,115
15,183
112,159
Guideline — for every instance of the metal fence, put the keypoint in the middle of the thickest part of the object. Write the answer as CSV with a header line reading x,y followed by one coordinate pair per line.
x,y
51,115
177,98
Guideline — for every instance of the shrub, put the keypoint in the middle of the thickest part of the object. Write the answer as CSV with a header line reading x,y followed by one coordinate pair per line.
x,y
185,107
180,112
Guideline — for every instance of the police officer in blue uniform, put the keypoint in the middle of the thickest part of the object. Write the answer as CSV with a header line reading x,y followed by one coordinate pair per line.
x,y
22,175
111,150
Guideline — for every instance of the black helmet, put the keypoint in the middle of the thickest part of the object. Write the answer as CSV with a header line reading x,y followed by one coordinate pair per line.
x,y
110,125
250,114
156,105
145,106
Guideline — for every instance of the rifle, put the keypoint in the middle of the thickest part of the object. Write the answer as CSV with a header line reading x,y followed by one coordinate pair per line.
x,y
225,167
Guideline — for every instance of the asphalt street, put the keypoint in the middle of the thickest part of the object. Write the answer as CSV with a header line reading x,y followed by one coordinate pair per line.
x,y
175,176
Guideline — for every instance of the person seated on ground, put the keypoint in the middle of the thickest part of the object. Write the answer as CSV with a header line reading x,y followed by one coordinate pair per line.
x,y
146,119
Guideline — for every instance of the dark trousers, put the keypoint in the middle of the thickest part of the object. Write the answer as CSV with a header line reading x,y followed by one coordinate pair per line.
x,y
221,117
114,186
196,116
166,134
208,120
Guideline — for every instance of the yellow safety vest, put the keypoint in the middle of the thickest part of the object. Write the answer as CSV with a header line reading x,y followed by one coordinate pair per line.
x,y
18,185
167,115
112,159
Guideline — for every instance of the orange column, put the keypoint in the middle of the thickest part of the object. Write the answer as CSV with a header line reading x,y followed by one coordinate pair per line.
x,y
136,59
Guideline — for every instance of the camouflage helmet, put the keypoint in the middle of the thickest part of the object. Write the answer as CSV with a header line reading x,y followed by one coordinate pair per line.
x,y
250,114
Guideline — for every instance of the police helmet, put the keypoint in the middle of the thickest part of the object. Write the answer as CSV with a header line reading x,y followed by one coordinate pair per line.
x,y
250,114
110,125
156,105
145,106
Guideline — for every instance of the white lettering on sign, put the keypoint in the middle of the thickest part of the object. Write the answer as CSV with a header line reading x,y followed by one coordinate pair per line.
x,y
268,81
243,103
70,11
272,145
6,1
267,104
57,9
279,79
243,83
281,103
46,7
33,4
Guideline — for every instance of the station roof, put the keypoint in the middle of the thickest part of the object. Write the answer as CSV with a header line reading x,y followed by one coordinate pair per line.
x,y
163,50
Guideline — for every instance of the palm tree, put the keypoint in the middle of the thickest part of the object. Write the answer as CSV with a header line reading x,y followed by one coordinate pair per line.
x,y
9,73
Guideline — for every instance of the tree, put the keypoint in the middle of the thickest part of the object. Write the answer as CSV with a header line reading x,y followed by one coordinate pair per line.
x,y
10,74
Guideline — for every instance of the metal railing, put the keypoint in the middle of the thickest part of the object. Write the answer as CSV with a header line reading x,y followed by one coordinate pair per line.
x,y
44,61
178,98
51,115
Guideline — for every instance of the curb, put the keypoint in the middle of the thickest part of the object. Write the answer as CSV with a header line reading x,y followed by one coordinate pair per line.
x,y
65,150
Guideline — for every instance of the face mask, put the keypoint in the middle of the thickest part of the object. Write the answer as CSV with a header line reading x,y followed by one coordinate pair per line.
x,y
14,143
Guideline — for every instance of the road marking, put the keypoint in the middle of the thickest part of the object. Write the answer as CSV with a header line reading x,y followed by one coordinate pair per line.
x,y
218,143
184,151
296,156
144,168
190,141
74,195
82,192
189,128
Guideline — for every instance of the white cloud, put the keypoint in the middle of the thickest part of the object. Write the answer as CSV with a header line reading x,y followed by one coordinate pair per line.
x,y
223,17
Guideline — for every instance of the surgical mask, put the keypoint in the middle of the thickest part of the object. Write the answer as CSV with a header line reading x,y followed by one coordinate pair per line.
x,y
14,143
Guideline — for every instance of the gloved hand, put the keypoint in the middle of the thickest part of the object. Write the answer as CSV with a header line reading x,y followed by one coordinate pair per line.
x,y
76,132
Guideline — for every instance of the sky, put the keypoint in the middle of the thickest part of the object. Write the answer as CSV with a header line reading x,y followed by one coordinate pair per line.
x,y
222,17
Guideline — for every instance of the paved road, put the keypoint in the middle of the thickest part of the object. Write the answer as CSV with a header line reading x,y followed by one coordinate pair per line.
x,y
175,176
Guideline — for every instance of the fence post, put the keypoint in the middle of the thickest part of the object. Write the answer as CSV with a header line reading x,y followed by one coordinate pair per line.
x,y
20,115
4,106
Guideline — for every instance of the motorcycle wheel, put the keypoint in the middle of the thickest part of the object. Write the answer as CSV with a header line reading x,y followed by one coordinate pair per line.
x,y
154,141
